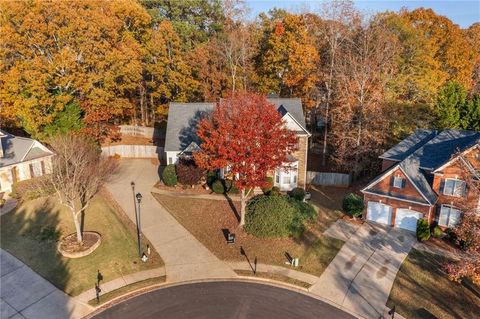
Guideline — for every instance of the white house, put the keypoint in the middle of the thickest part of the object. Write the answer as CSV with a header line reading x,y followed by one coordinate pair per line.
x,y
21,158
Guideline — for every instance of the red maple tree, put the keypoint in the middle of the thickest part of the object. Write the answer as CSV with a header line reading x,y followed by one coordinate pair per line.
x,y
246,133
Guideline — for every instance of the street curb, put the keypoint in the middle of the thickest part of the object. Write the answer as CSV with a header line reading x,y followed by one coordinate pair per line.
x,y
264,281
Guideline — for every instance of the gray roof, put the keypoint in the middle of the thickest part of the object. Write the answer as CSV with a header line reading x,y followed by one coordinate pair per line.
x,y
409,145
16,149
443,146
183,119
429,150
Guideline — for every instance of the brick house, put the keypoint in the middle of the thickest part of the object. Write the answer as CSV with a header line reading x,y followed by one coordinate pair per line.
x,y
181,139
21,158
422,177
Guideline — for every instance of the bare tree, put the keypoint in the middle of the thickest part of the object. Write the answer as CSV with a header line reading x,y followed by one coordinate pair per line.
x,y
359,121
78,172
338,18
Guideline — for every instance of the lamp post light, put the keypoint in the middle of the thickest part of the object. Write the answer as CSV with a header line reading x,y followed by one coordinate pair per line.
x,y
139,225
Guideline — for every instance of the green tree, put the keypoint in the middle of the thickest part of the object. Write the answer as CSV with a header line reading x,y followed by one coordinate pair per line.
x,y
70,119
470,114
450,103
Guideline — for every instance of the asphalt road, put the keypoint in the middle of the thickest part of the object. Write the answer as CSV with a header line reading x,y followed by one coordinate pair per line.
x,y
223,300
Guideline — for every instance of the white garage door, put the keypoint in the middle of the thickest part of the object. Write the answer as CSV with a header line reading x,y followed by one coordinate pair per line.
x,y
407,219
379,213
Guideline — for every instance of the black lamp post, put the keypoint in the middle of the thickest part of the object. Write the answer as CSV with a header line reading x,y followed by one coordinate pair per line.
x,y
139,225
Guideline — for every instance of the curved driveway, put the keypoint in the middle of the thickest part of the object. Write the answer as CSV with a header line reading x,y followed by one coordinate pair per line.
x,y
224,300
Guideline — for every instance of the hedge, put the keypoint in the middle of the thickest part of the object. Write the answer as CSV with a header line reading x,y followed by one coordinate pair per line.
x,y
169,175
267,189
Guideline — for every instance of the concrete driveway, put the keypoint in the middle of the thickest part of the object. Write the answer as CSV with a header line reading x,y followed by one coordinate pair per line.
x,y
361,276
24,294
184,256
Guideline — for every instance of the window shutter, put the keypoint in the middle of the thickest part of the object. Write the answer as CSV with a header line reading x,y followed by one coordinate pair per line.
x,y
404,182
442,186
32,174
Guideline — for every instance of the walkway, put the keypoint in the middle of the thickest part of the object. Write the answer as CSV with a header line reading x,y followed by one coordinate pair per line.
x,y
25,294
361,276
184,256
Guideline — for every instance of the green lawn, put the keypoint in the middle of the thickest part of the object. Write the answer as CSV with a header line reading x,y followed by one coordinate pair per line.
x,y
23,235
422,290
206,220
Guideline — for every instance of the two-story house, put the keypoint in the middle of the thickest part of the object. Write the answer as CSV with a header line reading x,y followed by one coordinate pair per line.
x,y
181,139
424,177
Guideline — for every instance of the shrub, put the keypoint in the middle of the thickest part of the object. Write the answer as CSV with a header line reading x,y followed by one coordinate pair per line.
x,y
219,186
275,191
188,172
2,202
271,216
423,229
169,175
437,232
298,193
267,189
230,187
353,205
31,189
211,177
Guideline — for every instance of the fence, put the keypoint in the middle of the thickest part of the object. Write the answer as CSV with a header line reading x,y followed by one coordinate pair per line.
x,y
333,179
134,130
134,151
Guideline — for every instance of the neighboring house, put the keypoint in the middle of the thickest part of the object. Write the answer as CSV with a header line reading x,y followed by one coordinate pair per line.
x,y
20,159
181,139
423,178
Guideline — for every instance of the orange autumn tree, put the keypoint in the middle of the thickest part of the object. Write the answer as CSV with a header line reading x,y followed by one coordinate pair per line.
x,y
246,133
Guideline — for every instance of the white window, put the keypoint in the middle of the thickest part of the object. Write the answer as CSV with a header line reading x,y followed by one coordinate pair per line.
x,y
286,178
398,182
170,161
454,187
449,216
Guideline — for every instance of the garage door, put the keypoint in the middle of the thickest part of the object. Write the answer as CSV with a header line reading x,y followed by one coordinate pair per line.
x,y
379,213
407,219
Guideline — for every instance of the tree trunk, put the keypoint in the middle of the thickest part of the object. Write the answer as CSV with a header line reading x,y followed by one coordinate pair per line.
x,y
242,208
78,227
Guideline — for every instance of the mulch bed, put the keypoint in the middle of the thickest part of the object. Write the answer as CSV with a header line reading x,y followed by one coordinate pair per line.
x,y
69,244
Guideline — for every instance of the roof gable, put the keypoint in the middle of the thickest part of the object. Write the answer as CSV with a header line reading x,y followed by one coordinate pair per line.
x,y
411,192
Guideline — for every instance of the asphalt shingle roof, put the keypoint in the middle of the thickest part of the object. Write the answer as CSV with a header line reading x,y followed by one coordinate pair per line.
x,y
409,145
428,151
183,119
16,148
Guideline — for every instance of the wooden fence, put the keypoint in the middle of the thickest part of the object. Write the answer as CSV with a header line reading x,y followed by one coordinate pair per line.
x,y
134,151
134,130
332,179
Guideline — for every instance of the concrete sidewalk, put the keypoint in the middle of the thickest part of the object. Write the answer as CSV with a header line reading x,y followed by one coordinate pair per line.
x,y
120,282
25,294
361,276
184,256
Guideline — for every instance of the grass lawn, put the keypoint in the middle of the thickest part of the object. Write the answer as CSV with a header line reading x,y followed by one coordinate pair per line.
x,y
277,277
206,220
422,290
328,201
21,235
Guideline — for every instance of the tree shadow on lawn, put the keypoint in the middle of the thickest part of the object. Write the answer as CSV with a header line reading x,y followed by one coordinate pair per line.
x,y
422,276
30,234
233,207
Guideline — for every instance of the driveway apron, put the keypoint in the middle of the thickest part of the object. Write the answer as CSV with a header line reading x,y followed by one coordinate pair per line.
x,y
361,276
